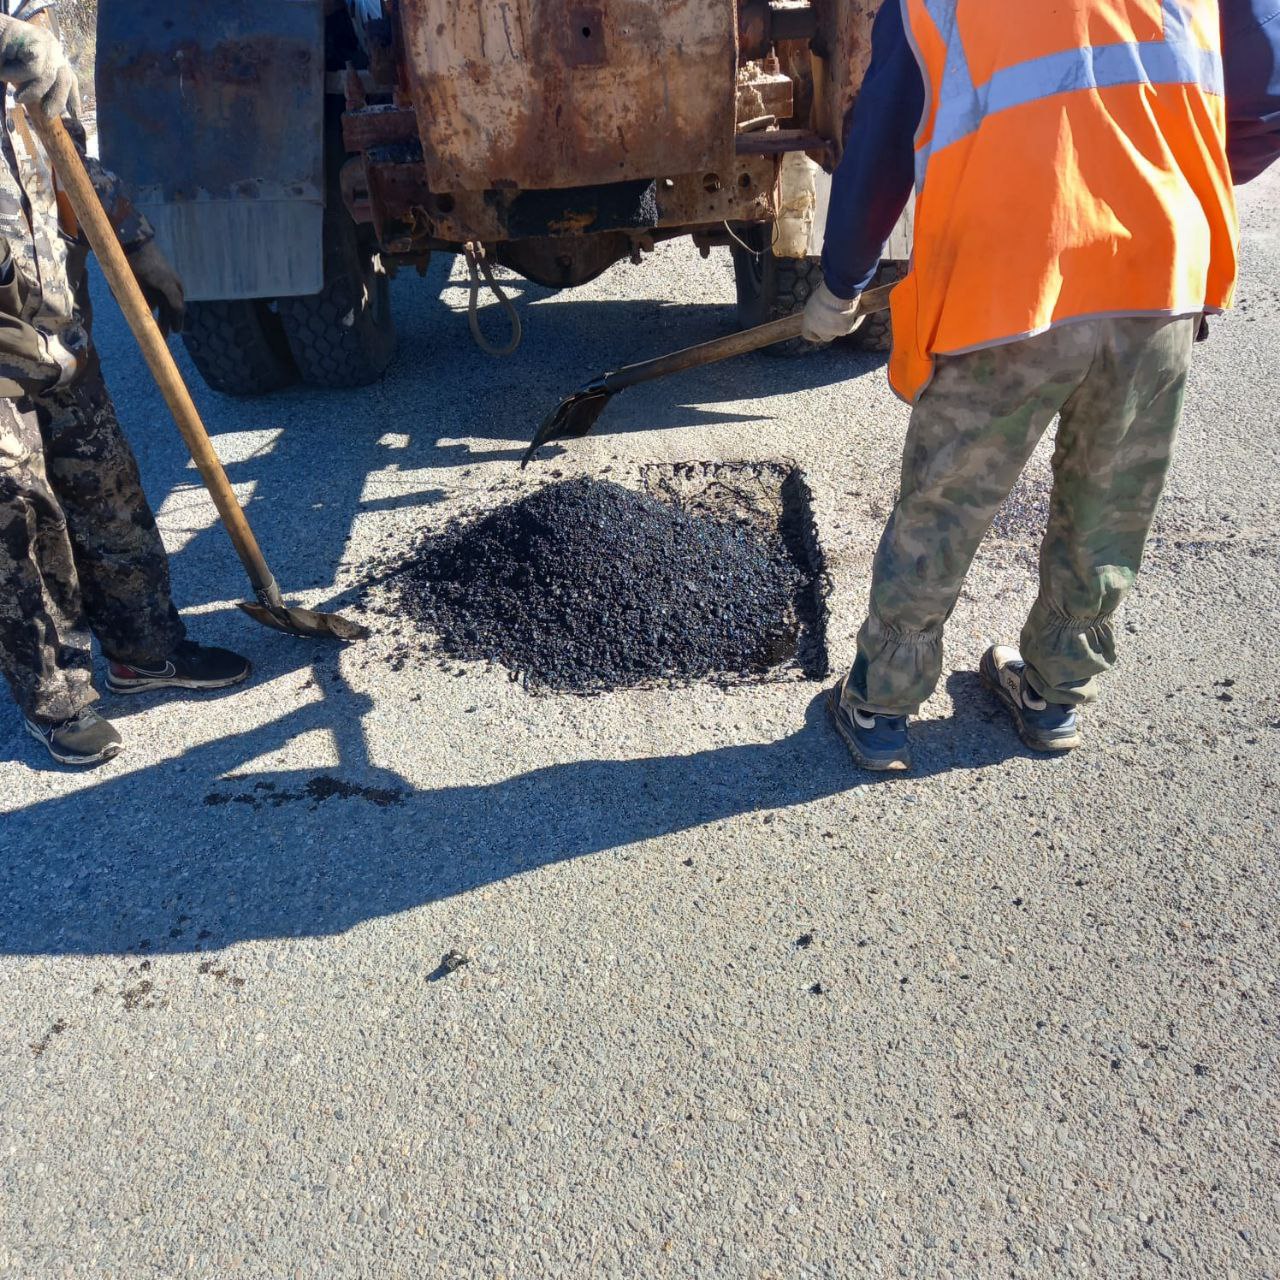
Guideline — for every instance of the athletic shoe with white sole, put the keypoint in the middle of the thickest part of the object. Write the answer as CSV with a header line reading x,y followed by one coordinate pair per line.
x,y
875,742
189,666
83,740
1042,725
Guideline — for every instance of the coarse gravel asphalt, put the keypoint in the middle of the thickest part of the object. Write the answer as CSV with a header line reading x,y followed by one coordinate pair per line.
x,y
589,585
730,1009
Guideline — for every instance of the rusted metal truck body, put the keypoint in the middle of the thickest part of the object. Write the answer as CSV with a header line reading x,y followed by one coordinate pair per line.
x,y
294,154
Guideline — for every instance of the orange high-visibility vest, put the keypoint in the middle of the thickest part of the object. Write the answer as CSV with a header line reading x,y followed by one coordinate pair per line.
x,y
1071,163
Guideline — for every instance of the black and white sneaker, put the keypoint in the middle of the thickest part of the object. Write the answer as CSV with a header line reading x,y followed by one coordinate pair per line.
x,y
1043,726
189,666
83,740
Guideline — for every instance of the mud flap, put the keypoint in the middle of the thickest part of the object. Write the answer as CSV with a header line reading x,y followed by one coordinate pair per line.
x,y
214,115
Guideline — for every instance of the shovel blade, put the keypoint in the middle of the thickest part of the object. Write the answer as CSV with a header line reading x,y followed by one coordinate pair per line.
x,y
304,622
571,418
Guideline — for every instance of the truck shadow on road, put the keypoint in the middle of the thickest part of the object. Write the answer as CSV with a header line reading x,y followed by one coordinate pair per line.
x,y
198,853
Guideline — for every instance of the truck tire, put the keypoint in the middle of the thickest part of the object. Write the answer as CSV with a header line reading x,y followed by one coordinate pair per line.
x,y
343,336
770,287
875,333
238,346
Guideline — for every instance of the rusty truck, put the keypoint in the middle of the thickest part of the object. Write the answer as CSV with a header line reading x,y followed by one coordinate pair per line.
x,y
293,156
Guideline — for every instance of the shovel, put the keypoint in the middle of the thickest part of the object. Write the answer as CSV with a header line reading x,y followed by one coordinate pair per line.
x,y
270,609
574,417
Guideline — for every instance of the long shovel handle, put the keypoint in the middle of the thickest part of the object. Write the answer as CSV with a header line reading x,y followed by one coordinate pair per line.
x,y
733,344
102,238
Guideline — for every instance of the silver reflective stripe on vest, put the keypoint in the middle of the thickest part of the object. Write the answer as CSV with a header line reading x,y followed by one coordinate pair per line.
x,y
1176,26
963,105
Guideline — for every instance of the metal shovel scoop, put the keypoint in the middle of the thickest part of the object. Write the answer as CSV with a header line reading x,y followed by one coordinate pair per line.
x,y
574,416
270,609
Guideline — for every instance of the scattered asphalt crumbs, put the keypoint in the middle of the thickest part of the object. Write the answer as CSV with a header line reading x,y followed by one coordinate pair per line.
x,y
584,586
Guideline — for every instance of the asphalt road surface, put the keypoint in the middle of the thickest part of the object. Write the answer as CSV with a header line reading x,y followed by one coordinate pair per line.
x,y
730,1009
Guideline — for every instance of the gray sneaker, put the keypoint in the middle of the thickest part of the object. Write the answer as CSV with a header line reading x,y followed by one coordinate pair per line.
x,y
1043,726
84,739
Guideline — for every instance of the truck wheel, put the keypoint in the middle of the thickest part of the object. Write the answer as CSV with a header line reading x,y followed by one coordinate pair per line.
x,y
770,287
343,336
875,333
238,346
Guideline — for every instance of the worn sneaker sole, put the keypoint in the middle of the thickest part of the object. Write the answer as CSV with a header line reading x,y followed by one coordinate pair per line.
x,y
101,757
895,764
147,683
991,678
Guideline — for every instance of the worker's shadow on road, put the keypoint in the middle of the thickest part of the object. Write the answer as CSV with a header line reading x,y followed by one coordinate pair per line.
x,y
207,849
202,851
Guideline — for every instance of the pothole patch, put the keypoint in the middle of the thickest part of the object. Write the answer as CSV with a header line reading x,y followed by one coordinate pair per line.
x,y
684,572
773,497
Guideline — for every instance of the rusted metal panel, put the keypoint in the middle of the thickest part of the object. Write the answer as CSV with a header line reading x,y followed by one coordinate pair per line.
x,y
378,126
588,51
745,192
844,40
553,93
398,198
214,114
777,142
762,92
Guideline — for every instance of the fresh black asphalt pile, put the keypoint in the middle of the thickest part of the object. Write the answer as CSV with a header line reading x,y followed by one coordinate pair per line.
x,y
585,585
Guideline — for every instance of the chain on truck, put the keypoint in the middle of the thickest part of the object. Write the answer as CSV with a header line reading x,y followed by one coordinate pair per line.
x,y
295,155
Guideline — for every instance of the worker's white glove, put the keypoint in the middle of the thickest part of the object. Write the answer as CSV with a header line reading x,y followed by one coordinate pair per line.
x,y
32,60
827,317
160,285
70,352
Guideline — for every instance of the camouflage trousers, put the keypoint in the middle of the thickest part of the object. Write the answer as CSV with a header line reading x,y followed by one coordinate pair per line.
x,y
79,550
1116,387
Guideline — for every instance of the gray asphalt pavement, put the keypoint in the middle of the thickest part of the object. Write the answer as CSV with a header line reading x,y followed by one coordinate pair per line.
x,y
731,1010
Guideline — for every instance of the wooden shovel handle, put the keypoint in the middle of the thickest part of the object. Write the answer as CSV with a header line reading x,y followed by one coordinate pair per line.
x,y
115,266
733,344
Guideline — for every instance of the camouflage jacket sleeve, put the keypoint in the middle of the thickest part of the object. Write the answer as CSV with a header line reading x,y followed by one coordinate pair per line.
x,y
29,359
131,226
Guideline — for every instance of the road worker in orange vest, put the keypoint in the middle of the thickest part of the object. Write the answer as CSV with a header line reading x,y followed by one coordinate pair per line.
x,y
1074,224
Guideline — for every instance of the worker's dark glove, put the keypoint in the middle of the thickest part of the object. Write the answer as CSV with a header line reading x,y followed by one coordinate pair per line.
x,y
827,317
160,285
32,60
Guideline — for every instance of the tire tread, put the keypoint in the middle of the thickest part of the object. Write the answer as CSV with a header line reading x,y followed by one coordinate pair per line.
x,y
328,351
238,347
